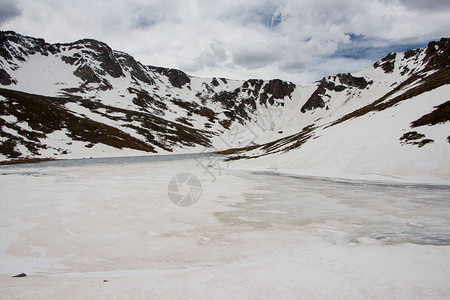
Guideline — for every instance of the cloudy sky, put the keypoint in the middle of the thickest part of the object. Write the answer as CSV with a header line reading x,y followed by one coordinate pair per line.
x,y
297,40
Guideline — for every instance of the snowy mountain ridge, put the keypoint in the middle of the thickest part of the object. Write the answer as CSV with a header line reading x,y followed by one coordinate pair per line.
x,y
95,83
83,99
396,78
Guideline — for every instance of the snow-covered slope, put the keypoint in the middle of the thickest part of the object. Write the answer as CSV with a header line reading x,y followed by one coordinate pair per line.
x,y
87,81
390,119
84,99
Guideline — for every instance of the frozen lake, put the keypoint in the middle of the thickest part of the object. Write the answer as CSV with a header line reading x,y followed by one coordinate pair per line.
x,y
72,224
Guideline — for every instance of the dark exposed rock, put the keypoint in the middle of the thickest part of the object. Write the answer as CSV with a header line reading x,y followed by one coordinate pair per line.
x,y
208,113
413,135
340,88
388,67
185,121
194,108
70,91
438,54
274,89
71,60
441,114
424,142
391,56
5,79
187,105
315,101
387,63
349,80
146,101
411,53
28,46
227,99
226,123
85,73
105,85
255,85
415,138
21,275
100,52
8,148
235,105
405,70
176,77
214,82
263,99
136,69
279,89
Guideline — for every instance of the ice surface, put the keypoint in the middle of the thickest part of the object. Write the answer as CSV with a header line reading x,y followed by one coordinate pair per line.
x,y
72,224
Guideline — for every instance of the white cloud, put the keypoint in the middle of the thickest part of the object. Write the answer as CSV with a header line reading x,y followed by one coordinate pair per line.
x,y
298,40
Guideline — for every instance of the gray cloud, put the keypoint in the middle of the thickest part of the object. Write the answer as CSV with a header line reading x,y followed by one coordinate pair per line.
x,y
295,66
290,39
262,13
150,13
255,58
427,5
209,58
9,9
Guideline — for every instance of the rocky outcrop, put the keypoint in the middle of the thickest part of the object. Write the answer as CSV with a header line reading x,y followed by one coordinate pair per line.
x,y
253,86
176,77
5,79
315,100
441,114
387,63
437,54
351,81
85,73
276,89
92,50
345,81
27,46
214,82
279,88
415,138
136,69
